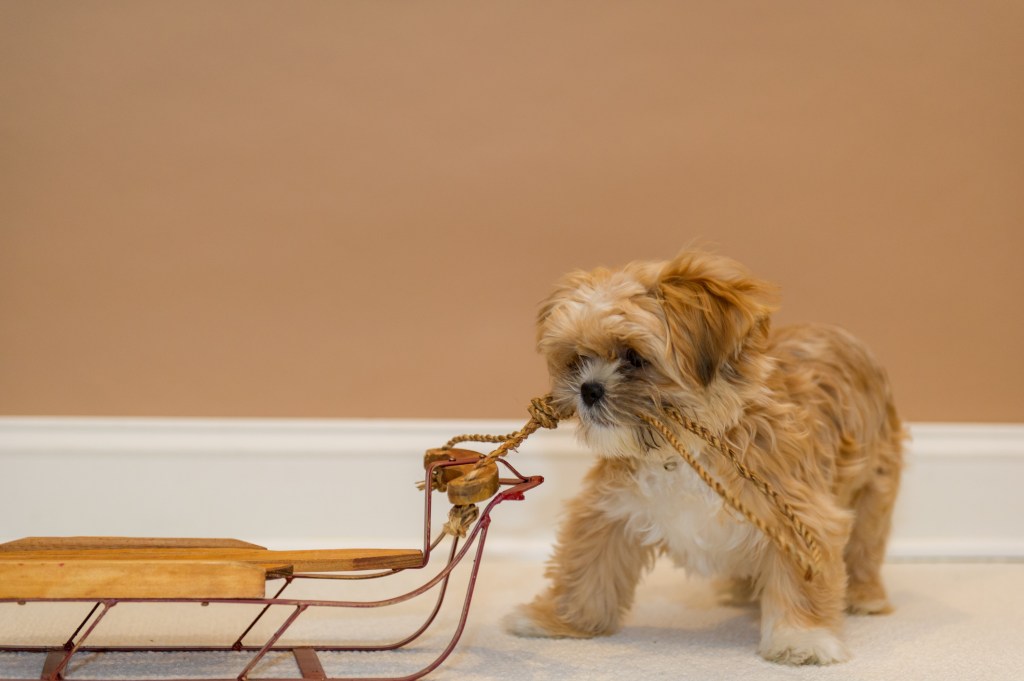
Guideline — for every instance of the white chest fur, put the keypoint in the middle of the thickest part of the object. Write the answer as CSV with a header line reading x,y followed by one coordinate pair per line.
x,y
667,505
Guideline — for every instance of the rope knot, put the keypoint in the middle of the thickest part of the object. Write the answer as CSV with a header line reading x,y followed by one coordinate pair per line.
x,y
543,412
460,518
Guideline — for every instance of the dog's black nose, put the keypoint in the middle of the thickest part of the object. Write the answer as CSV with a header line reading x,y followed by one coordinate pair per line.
x,y
591,392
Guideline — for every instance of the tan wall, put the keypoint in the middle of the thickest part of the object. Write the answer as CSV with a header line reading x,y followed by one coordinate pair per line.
x,y
352,209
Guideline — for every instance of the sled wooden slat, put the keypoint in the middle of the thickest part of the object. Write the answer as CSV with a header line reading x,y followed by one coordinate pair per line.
x,y
318,560
106,579
76,543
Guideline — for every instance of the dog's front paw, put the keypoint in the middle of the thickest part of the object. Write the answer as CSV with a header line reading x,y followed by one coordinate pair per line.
x,y
538,620
787,645
521,622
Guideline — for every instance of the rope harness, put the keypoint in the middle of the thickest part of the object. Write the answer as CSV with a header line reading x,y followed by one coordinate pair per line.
x,y
544,415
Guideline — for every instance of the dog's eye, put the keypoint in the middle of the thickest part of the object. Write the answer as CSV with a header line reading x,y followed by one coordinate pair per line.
x,y
575,363
634,359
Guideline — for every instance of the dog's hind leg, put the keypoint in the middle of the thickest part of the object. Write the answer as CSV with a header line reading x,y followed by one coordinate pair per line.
x,y
735,591
865,551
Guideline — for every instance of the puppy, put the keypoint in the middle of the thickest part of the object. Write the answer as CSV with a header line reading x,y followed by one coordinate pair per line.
x,y
806,407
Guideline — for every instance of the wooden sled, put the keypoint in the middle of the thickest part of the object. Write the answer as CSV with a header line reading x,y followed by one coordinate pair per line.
x,y
121,572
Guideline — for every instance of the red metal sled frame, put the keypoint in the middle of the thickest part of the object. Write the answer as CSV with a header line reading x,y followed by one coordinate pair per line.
x,y
58,657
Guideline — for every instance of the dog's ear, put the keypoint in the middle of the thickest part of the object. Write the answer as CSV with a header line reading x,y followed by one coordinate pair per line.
x,y
563,291
713,309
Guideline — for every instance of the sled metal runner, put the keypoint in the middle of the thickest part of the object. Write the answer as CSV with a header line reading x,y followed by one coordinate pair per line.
x,y
59,655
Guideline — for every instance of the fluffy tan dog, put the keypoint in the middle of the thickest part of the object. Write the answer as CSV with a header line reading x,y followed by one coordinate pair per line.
x,y
807,407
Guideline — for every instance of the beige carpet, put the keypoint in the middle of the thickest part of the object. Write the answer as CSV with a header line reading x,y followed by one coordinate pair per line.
x,y
953,621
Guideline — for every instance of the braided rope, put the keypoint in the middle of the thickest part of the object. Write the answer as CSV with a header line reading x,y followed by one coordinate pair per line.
x,y
544,415
809,565
762,485
478,437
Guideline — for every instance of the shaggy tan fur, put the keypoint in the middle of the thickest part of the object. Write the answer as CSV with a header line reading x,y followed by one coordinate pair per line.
x,y
808,407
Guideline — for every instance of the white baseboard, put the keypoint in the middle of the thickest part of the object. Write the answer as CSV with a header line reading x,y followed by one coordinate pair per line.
x,y
310,483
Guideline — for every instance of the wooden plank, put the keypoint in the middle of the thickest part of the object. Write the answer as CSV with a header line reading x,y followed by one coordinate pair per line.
x,y
77,543
26,579
321,560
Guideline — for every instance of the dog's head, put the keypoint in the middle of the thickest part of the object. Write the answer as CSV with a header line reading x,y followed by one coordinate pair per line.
x,y
688,333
